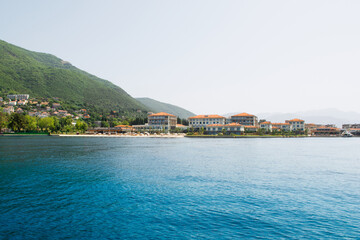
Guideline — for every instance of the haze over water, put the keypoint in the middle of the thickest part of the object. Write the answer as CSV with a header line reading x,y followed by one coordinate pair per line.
x,y
142,188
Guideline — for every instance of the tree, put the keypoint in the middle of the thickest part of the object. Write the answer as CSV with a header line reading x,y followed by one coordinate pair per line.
x,y
125,122
3,120
57,125
81,126
202,130
30,123
17,122
47,123
66,123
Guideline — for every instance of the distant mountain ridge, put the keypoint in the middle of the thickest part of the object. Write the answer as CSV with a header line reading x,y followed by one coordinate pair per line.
x,y
321,116
157,106
44,75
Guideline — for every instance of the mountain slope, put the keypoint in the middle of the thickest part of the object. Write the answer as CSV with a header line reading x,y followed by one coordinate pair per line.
x,y
44,75
157,106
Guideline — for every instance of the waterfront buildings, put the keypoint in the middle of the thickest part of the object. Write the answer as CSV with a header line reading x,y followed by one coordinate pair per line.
x,y
348,126
231,128
245,119
326,131
287,127
250,129
267,126
354,131
162,121
296,124
201,121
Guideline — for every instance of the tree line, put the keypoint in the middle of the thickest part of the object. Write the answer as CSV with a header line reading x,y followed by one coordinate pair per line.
x,y
24,123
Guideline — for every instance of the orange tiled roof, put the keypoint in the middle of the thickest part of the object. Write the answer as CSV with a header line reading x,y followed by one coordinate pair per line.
x,y
180,125
296,120
233,125
161,114
206,116
266,122
278,124
250,126
243,115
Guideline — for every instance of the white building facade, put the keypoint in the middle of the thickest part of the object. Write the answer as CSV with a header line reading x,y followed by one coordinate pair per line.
x,y
202,121
296,124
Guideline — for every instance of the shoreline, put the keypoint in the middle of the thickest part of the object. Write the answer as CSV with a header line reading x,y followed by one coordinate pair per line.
x,y
120,136
160,136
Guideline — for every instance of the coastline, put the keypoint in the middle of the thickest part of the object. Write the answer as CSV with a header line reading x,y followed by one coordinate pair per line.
x,y
121,136
245,136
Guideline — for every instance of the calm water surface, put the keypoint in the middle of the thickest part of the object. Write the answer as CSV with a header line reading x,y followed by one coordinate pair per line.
x,y
132,188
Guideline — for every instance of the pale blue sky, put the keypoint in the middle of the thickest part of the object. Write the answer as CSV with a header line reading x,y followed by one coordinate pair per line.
x,y
206,56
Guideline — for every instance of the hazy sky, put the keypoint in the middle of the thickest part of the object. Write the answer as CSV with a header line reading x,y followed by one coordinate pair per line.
x,y
205,56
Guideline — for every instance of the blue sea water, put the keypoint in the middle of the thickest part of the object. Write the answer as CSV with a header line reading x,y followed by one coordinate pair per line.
x,y
146,188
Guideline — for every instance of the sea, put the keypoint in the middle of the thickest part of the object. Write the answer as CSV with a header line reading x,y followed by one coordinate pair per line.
x,y
179,188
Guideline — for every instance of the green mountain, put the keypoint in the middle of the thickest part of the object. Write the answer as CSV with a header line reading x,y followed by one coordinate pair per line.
x,y
44,75
157,106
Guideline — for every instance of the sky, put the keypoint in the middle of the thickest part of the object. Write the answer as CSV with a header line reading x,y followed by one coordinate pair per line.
x,y
205,56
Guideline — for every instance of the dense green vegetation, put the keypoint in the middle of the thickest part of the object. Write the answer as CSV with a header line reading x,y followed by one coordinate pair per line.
x,y
46,76
157,106
21,123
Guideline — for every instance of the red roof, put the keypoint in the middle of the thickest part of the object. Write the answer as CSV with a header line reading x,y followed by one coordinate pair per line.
x,y
243,115
266,122
161,114
206,116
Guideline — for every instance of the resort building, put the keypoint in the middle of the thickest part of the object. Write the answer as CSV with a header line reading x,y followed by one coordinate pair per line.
x,y
250,129
327,131
287,127
348,126
200,121
232,128
354,131
162,121
181,126
245,119
266,125
296,124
